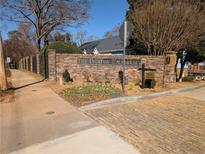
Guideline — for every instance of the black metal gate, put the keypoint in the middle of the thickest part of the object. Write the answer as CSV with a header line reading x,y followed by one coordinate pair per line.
x,y
29,64
34,64
44,64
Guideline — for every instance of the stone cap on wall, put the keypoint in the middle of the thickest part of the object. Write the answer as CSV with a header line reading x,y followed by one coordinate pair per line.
x,y
171,52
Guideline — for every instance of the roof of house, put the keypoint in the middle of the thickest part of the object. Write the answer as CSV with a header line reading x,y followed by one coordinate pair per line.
x,y
111,44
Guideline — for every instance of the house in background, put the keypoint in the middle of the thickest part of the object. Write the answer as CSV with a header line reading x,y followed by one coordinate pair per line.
x,y
198,68
112,46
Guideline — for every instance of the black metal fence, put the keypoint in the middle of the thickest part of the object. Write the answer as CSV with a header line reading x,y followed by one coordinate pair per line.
x,y
34,64
37,63
43,64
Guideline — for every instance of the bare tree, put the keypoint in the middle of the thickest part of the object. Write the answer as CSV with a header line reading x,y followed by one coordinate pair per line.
x,y
26,30
59,37
165,25
45,15
82,37
68,37
113,32
15,34
92,38
17,46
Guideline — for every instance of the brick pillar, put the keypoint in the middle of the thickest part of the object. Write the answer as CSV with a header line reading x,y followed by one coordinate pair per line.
x,y
38,63
31,63
170,61
52,64
3,79
23,62
20,64
28,61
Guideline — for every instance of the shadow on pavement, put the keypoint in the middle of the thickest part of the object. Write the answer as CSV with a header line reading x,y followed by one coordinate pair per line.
x,y
16,88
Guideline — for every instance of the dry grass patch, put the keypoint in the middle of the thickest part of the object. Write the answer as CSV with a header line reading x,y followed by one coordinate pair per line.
x,y
6,96
133,89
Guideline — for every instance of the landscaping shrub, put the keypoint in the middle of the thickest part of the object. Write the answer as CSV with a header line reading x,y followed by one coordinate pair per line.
x,y
131,86
63,47
66,76
89,92
188,79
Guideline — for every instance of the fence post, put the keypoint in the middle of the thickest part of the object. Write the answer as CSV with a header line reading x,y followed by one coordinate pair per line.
x,y
24,60
31,63
38,63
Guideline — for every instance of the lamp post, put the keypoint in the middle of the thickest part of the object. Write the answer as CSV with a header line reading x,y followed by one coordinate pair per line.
x,y
125,34
124,53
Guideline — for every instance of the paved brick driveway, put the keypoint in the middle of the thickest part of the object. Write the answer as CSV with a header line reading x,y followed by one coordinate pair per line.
x,y
170,124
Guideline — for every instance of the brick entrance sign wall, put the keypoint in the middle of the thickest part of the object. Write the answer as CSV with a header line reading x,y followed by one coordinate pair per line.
x,y
105,68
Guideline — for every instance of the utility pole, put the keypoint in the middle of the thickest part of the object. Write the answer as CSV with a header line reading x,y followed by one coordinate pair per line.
x,y
3,81
124,52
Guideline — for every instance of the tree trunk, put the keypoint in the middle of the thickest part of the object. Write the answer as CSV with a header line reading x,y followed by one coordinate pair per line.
x,y
45,40
181,71
38,44
176,68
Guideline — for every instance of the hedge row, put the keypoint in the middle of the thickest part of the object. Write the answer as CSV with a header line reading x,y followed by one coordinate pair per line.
x,y
63,47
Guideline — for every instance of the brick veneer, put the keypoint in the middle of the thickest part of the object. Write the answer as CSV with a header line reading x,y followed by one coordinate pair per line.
x,y
59,62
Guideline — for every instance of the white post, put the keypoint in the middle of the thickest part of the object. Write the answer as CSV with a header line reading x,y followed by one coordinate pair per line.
x,y
3,81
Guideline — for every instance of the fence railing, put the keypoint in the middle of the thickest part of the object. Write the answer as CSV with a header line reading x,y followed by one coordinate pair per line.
x,y
37,63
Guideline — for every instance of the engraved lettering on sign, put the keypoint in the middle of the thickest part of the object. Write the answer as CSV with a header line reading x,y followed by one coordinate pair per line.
x,y
108,61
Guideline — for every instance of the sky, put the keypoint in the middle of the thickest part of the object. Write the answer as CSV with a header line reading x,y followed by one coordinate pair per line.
x,y
105,14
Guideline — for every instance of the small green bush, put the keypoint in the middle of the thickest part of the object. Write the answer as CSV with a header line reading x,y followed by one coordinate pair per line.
x,y
131,86
66,76
188,79
62,47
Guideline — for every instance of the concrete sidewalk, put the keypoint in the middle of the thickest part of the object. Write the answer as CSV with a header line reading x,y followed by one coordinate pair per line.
x,y
40,122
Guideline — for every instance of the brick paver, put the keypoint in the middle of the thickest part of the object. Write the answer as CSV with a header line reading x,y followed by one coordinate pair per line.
x,y
170,124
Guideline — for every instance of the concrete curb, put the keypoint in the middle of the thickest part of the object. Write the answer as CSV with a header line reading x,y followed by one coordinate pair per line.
x,y
128,99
